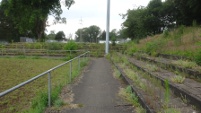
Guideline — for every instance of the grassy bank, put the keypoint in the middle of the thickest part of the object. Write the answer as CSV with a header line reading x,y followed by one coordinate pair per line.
x,y
33,96
183,41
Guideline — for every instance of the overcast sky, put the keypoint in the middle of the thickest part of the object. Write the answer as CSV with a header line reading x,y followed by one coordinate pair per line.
x,y
93,12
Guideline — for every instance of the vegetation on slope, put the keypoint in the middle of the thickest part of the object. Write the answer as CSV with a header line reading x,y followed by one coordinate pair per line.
x,y
184,41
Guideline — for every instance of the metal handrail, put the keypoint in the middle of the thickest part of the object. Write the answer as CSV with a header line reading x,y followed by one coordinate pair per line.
x,y
42,74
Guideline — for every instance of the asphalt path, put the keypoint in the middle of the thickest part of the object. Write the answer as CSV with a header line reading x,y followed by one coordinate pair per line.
x,y
97,91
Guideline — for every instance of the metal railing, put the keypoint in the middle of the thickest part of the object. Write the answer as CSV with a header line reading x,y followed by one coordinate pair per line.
x,y
49,77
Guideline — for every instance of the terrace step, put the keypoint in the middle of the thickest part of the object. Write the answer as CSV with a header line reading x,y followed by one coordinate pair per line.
x,y
190,89
152,102
167,64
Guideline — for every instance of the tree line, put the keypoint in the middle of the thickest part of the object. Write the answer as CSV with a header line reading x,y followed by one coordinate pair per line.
x,y
93,34
158,15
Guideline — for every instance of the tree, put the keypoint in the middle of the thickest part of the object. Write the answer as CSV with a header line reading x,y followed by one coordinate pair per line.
x,y
93,33
103,35
8,32
51,36
187,11
60,36
31,16
134,26
149,20
88,34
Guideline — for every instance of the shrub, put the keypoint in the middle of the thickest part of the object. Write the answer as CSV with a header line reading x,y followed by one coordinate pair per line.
x,y
54,46
131,48
151,47
37,46
198,57
165,33
71,45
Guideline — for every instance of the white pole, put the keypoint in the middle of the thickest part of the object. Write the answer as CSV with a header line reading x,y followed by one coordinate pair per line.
x,y
108,28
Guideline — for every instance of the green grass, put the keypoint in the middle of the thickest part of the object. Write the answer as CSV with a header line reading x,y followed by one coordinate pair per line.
x,y
187,64
183,41
178,79
127,94
32,98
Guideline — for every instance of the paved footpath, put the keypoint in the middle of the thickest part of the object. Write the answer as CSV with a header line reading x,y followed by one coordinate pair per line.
x,y
98,90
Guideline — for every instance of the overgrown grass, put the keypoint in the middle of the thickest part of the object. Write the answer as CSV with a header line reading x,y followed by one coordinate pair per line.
x,y
32,98
157,97
127,94
178,79
185,64
183,41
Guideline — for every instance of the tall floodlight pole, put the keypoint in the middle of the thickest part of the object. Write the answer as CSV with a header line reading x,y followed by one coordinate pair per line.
x,y
108,28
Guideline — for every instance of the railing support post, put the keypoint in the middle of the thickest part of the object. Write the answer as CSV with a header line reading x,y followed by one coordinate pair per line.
x,y
49,89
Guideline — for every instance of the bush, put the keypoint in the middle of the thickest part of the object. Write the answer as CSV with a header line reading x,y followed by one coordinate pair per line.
x,y
71,45
131,48
198,57
38,46
151,47
54,46
166,34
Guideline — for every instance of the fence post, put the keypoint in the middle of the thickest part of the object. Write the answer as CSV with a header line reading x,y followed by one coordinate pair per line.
x,y
70,70
49,89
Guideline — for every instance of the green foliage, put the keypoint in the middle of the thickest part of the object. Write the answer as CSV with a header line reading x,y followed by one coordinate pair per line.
x,y
38,46
58,103
178,35
131,98
129,89
185,64
166,34
131,48
60,36
113,41
54,46
39,103
31,19
89,34
198,57
71,45
152,47
178,79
